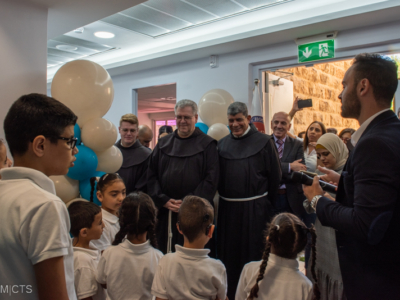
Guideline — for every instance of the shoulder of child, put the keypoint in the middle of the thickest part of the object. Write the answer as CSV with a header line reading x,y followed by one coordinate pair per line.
x,y
158,253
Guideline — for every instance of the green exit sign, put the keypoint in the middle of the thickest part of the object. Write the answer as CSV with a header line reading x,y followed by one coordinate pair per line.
x,y
316,51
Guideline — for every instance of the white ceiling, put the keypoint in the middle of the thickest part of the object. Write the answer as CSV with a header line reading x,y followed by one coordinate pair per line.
x,y
66,15
260,26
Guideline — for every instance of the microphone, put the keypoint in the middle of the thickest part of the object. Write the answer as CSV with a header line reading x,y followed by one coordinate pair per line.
x,y
299,177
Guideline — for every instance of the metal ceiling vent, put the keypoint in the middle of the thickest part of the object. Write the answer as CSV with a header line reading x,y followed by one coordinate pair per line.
x,y
64,48
156,18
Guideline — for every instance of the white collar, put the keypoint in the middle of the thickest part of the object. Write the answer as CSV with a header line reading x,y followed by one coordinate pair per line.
x,y
283,262
36,176
191,253
246,132
93,253
136,248
355,137
113,219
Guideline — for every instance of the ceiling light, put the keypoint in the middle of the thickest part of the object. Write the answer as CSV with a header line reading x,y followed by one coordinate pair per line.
x,y
66,47
104,34
79,30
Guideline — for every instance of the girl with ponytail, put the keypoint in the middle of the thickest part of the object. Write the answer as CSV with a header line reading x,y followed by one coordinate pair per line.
x,y
110,191
129,266
277,276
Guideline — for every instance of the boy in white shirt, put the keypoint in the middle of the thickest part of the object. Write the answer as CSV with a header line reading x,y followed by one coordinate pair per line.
x,y
36,250
190,273
86,225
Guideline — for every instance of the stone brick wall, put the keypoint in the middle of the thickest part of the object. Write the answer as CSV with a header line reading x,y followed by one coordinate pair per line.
x,y
321,83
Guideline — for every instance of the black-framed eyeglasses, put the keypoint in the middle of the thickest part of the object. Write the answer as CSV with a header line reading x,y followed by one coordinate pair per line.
x,y
70,141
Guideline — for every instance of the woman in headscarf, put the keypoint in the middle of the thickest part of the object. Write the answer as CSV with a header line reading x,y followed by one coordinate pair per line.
x,y
333,154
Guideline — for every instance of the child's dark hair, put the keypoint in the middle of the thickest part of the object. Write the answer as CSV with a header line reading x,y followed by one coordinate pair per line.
x,y
137,215
81,214
195,217
103,182
33,115
288,235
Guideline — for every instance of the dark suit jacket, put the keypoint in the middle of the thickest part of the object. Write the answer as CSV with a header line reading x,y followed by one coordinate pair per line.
x,y
366,214
293,150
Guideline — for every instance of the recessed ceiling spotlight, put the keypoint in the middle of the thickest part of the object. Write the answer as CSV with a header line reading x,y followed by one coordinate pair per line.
x,y
66,48
104,34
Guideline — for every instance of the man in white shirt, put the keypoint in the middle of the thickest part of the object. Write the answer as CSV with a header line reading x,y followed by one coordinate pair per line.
x,y
366,214
36,257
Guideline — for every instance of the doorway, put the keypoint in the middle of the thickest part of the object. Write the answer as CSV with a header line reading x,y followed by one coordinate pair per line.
x,y
156,107
321,82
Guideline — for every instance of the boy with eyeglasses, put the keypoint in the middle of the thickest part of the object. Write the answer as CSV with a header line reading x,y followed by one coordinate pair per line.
x,y
36,251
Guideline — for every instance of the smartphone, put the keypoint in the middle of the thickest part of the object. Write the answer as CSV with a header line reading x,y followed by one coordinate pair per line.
x,y
311,174
304,103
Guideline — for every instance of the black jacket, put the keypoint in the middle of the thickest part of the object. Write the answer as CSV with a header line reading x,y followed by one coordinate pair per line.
x,y
366,214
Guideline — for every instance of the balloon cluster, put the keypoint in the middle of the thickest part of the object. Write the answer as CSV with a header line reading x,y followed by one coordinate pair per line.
x,y
87,89
213,107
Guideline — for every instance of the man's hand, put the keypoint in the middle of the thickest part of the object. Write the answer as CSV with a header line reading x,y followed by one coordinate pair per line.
x,y
310,191
295,108
329,196
173,205
296,166
330,176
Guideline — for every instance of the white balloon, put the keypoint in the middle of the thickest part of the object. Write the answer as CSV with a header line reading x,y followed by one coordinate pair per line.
x,y
213,107
75,200
99,134
110,161
66,188
85,87
218,131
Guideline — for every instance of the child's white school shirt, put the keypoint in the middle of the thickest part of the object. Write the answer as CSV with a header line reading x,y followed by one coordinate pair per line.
x,y
85,269
189,274
282,280
35,227
128,270
111,228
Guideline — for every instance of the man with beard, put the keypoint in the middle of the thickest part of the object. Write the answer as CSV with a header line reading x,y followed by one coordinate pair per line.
x,y
135,156
182,163
366,214
250,176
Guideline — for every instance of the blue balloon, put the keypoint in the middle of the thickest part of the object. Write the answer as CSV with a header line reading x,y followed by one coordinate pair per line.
x,y
203,127
77,134
85,164
85,187
229,128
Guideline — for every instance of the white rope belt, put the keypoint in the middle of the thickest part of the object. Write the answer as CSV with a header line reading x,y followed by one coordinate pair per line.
x,y
169,244
244,199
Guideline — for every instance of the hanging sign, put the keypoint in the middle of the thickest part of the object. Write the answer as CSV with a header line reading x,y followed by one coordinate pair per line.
x,y
316,51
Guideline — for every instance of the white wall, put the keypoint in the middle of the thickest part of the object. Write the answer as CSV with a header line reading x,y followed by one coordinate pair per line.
x,y
23,52
237,70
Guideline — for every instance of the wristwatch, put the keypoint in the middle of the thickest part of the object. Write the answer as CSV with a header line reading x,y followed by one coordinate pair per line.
x,y
314,202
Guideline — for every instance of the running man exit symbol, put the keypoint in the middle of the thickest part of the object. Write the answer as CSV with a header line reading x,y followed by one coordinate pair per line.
x,y
323,50
316,51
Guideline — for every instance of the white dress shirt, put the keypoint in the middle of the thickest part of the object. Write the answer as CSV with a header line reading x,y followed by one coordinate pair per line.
x,y
357,135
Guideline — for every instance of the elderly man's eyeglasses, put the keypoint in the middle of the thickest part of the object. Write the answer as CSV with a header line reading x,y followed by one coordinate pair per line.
x,y
186,118
71,142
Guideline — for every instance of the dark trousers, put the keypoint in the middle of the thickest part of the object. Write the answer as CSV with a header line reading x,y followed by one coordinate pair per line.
x,y
281,204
